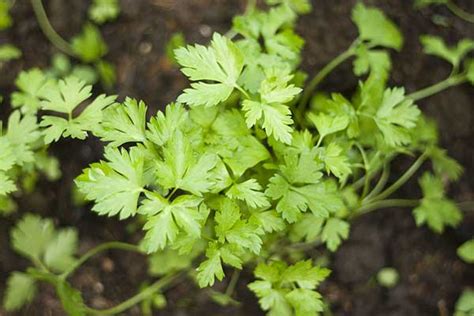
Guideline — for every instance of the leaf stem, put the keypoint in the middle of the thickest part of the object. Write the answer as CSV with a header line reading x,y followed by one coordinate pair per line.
x,y
381,183
373,206
402,180
132,301
92,252
232,283
438,87
466,16
48,29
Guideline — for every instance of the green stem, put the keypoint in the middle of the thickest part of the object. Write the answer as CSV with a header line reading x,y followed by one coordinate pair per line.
x,y
48,29
102,247
466,16
402,180
381,183
243,91
232,283
369,207
134,300
365,190
308,92
438,87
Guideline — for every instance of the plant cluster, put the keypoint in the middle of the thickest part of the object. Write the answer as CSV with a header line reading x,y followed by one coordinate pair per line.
x,y
247,169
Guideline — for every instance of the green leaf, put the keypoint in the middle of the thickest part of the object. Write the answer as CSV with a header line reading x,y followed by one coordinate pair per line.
x,y
305,275
176,41
5,19
22,134
71,299
334,232
445,165
250,192
31,236
466,251
268,220
435,210
167,220
163,125
211,268
327,124
65,98
375,27
115,185
221,63
6,184
395,116
336,161
21,289
435,45
102,11
124,123
465,305
59,254
232,229
32,84
89,46
276,118
179,168
305,302
9,52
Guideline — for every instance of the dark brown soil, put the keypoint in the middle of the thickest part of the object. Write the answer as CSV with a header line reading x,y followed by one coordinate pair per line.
x,y
432,277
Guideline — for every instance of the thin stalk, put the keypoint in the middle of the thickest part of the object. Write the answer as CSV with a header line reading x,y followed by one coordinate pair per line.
x,y
466,16
381,183
232,283
94,251
438,87
369,207
365,190
402,180
48,29
134,300
309,90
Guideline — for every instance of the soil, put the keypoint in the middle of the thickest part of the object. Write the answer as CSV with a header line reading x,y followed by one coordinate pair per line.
x,y
431,275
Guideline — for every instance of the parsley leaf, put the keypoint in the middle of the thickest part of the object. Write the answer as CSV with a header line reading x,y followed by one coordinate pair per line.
x,y
124,123
434,45
31,236
166,219
334,232
250,192
435,210
89,45
32,85
102,11
395,116
116,184
271,109
466,251
21,289
59,254
69,94
221,64
375,27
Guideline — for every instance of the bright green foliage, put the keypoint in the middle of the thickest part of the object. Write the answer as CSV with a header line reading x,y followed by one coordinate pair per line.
x,y
21,135
5,18
375,28
102,11
271,109
64,98
289,290
466,251
89,45
36,239
176,41
123,123
21,289
334,232
115,184
396,116
221,64
435,210
32,85
249,191
435,45
71,299
465,304
9,52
